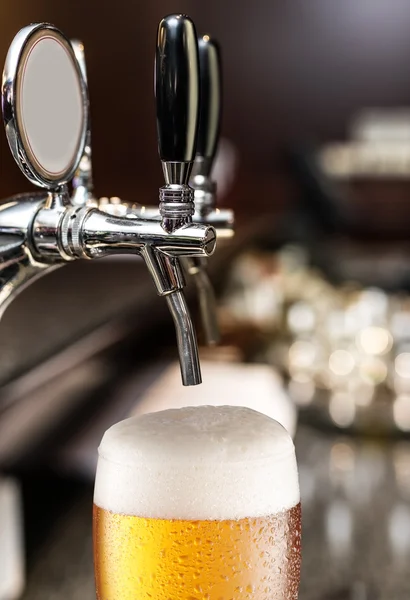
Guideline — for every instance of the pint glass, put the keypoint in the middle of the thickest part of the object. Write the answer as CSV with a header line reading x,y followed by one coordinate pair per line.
x,y
198,503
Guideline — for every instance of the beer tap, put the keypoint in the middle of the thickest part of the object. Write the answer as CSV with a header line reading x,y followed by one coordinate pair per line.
x,y
45,110
201,178
177,95
201,181
204,186
208,131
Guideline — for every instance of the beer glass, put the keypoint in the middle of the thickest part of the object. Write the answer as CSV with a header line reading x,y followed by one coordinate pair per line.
x,y
197,503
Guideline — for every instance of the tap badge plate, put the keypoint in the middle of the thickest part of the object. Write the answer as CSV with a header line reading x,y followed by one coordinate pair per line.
x,y
45,105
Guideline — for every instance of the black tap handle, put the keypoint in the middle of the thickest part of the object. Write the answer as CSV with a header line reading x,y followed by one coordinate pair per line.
x,y
177,88
210,99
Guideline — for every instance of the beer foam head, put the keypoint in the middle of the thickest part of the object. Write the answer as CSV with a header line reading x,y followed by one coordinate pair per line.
x,y
203,462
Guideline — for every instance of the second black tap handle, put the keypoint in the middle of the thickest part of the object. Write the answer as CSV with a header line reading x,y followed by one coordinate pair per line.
x,y
177,89
210,102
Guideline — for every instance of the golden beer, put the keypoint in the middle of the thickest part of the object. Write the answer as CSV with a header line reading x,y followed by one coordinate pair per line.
x,y
147,543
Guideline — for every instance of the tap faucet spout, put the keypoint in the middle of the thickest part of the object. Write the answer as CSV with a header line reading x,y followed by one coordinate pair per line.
x,y
207,300
186,339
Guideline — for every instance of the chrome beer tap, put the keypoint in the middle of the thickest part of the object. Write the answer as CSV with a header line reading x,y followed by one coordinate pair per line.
x,y
202,182
45,109
177,89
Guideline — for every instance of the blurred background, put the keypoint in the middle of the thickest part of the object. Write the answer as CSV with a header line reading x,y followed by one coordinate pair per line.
x,y
312,291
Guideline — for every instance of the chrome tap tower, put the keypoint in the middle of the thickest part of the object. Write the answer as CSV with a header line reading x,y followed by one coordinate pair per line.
x,y
48,229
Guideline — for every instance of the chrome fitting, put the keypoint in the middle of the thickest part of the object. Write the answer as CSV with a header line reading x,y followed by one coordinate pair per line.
x,y
176,201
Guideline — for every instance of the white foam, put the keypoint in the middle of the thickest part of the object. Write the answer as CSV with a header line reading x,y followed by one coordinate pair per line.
x,y
204,462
